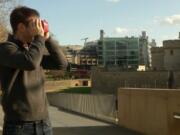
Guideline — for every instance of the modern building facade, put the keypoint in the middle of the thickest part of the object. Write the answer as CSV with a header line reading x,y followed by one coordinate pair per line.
x,y
123,52
126,53
88,54
71,52
82,55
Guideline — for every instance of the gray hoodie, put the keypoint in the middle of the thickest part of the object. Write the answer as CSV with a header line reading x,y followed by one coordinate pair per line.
x,y
26,99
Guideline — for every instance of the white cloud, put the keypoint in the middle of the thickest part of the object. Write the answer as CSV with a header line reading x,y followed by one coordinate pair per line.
x,y
119,30
171,20
124,31
113,1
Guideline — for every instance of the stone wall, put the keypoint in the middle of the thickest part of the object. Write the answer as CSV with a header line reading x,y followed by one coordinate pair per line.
x,y
150,111
109,82
157,56
62,84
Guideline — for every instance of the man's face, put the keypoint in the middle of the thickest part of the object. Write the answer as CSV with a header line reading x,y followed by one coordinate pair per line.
x,y
26,30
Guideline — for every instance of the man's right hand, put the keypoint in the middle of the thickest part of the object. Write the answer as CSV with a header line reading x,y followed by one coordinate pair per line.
x,y
35,28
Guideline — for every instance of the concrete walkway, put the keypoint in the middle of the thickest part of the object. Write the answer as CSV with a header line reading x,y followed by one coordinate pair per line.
x,y
69,124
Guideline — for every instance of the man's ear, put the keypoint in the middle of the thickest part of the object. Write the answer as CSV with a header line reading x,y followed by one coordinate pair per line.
x,y
21,27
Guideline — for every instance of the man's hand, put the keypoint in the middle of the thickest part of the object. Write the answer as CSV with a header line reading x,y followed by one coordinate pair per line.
x,y
36,28
46,35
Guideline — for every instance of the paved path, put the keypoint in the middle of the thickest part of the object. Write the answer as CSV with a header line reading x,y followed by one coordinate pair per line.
x,y
69,124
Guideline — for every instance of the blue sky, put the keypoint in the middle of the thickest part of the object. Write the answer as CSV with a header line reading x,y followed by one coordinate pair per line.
x,y
70,21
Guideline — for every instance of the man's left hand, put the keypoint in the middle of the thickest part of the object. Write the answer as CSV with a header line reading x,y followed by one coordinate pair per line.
x,y
46,35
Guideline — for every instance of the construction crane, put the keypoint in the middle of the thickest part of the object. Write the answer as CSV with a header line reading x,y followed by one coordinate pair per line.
x,y
85,40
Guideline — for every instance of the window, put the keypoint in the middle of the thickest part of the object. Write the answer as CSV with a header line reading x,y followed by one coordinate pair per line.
x,y
110,53
132,53
171,52
120,46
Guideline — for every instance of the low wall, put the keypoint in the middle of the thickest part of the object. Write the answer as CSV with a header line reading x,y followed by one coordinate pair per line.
x,y
62,84
56,85
98,106
150,111
109,82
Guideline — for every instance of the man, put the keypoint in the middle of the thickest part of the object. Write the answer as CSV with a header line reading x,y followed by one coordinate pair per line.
x,y
22,61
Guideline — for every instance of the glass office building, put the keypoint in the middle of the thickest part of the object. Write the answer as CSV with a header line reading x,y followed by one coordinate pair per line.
x,y
121,52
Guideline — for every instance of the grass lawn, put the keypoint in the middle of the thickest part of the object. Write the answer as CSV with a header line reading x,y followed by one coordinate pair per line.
x,y
79,90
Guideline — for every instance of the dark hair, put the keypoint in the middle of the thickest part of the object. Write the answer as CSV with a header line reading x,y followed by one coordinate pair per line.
x,y
21,15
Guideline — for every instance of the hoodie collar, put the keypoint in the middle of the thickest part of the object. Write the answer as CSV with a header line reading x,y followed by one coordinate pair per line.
x,y
20,44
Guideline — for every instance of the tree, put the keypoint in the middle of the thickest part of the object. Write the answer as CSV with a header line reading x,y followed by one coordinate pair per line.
x,y
5,8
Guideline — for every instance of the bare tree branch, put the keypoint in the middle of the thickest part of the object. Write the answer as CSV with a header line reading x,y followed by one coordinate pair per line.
x,y
6,7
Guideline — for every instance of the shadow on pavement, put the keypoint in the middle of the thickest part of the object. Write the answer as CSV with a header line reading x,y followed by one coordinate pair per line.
x,y
98,130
